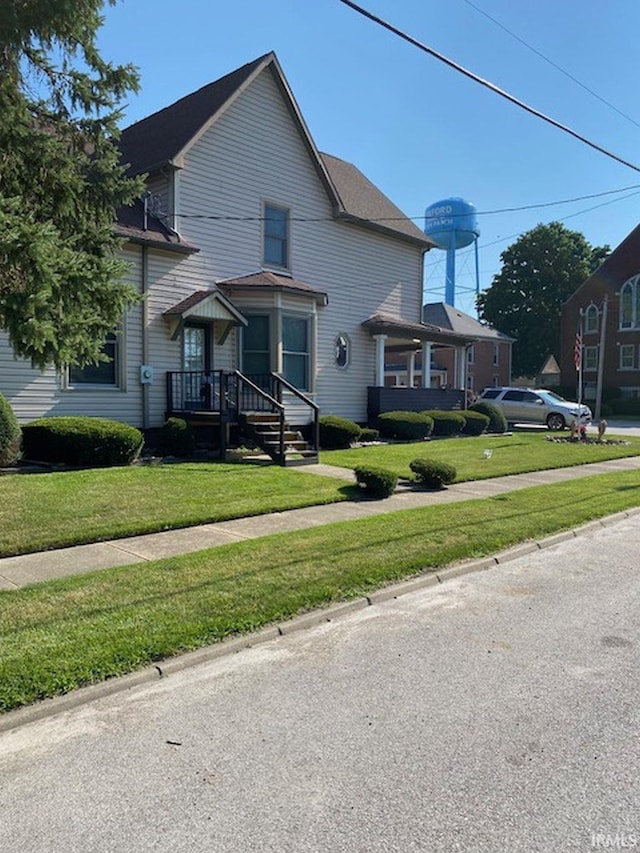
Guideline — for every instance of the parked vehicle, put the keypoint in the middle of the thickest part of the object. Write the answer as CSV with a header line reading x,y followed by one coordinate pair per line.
x,y
537,406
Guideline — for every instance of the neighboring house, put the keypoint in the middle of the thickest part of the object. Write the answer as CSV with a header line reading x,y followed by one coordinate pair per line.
x,y
616,285
255,253
483,360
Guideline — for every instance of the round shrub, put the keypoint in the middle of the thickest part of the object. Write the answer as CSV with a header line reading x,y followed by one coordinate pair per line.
x,y
378,482
368,434
475,423
433,474
10,435
337,433
176,438
497,421
81,442
446,423
406,426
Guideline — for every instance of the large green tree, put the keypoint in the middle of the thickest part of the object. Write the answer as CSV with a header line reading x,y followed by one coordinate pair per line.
x,y
61,283
539,272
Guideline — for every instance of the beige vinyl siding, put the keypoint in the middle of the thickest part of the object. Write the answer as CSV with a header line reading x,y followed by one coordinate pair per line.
x,y
254,154
33,394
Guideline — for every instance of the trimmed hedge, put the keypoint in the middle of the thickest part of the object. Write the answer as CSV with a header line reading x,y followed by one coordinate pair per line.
x,y
497,421
337,433
406,426
10,434
475,422
81,441
378,482
624,406
176,438
446,423
368,434
433,474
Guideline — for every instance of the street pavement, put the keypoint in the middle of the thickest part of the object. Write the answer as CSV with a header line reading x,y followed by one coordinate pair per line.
x,y
498,711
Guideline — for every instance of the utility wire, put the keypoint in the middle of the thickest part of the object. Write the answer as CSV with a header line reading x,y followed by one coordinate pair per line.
x,y
491,86
523,207
551,62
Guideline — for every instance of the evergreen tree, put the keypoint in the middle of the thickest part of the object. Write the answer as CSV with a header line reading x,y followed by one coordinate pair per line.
x,y
61,287
539,272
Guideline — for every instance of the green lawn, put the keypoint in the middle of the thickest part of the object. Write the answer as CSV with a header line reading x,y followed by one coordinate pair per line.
x,y
510,454
58,635
42,511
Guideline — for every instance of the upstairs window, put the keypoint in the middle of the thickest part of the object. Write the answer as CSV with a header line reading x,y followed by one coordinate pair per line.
x,y
627,357
630,304
104,374
590,359
276,236
591,319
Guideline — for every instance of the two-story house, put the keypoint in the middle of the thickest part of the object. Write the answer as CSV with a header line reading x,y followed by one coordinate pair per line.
x,y
265,267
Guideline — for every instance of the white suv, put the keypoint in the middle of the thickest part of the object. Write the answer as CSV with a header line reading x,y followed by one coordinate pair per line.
x,y
536,406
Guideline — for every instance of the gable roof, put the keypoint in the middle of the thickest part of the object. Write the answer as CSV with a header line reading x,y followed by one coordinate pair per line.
x,y
159,139
162,139
451,318
622,263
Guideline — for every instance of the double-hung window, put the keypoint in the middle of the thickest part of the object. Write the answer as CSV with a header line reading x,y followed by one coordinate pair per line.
x,y
276,236
590,359
295,351
627,357
106,373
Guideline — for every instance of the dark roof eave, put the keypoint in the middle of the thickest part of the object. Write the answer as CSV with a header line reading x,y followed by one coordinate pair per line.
x,y
179,248
425,244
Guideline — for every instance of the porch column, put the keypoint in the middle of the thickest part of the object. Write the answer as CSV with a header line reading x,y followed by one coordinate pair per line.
x,y
426,364
411,369
380,339
461,359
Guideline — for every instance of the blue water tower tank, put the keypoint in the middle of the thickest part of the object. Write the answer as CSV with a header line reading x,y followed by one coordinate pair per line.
x,y
451,224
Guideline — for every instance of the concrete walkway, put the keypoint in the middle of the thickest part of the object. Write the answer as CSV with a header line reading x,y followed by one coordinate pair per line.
x,y
16,572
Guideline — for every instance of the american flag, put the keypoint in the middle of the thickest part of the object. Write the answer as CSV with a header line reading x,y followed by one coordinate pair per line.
x,y
577,347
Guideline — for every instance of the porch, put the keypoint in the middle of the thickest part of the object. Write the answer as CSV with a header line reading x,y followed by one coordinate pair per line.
x,y
259,407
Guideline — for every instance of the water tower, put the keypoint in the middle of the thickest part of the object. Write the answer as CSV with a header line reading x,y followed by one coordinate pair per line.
x,y
452,225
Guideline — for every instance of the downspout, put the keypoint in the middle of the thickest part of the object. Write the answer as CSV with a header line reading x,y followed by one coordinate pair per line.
x,y
146,387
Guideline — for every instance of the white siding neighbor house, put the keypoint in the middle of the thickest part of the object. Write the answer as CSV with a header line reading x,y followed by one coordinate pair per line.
x,y
273,276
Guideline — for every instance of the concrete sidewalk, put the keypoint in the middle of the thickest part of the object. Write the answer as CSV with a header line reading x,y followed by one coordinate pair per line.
x,y
16,572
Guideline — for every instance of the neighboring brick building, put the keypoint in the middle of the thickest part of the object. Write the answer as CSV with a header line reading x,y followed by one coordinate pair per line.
x,y
617,283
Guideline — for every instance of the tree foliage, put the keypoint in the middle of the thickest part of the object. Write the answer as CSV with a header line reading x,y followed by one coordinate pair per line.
x,y
61,287
539,272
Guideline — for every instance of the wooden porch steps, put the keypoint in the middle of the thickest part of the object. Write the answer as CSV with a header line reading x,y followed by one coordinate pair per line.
x,y
264,429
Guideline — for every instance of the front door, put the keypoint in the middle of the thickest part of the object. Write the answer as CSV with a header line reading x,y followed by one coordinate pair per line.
x,y
197,366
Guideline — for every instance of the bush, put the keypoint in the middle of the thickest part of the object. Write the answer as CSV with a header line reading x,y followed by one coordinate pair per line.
x,y
81,441
176,438
433,474
625,406
367,434
446,423
475,422
406,426
337,433
378,482
497,421
10,434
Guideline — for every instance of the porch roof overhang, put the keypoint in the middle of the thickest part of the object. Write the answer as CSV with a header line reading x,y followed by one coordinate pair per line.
x,y
401,334
275,282
206,306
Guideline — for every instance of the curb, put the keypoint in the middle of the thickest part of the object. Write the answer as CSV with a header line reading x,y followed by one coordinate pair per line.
x,y
84,695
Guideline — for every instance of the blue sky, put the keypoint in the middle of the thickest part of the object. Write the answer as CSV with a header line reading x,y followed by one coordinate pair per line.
x,y
418,129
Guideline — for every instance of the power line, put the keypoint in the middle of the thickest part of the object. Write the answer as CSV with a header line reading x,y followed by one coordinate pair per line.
x,y
551,62
517,209
491,86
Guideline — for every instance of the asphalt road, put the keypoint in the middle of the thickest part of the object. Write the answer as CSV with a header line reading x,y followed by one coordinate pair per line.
x,y
496,712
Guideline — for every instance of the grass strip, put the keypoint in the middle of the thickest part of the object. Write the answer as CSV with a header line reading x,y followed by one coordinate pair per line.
x,y
43,511
62,634
485,456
